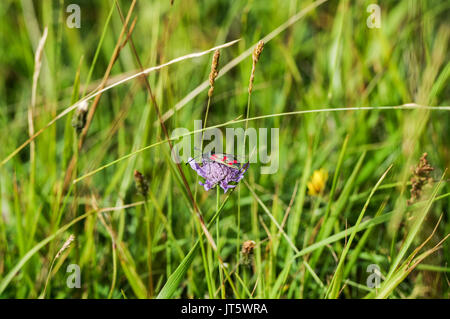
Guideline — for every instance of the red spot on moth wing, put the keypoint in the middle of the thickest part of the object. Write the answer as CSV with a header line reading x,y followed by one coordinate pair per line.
x,y
224,158
234,162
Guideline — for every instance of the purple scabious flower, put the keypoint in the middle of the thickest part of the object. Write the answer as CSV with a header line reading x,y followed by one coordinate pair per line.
x,y
216,173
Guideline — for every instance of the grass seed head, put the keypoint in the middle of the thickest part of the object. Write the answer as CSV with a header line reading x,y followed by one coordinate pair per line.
x,y
257,51
248,246
247,251
65,245
79,117
255,58
141,183
214,71
421,177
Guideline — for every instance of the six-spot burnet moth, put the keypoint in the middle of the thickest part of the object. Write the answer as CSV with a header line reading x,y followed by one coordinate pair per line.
x,y
222,158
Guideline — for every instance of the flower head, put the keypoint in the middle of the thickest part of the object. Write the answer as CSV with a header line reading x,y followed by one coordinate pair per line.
x,y
216,173
317,182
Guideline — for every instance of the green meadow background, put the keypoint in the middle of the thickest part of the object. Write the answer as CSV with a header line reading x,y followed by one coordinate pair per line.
x,y
322,59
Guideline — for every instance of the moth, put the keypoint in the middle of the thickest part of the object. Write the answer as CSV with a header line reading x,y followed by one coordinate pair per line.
x,y
222,158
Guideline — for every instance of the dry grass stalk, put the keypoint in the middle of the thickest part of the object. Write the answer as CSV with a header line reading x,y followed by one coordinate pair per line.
x,y
37,65
255,57
214,72
63,248
37,71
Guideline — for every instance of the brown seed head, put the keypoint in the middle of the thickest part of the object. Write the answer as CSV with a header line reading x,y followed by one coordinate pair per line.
x,y
214,71
248,246
141,183
255,58
247,252
421,177
257,51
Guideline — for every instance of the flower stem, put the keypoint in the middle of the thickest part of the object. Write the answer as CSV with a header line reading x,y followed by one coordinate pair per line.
x,y
222,288
148,218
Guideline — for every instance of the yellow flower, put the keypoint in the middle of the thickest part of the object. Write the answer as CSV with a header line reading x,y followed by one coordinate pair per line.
x,y
317,182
